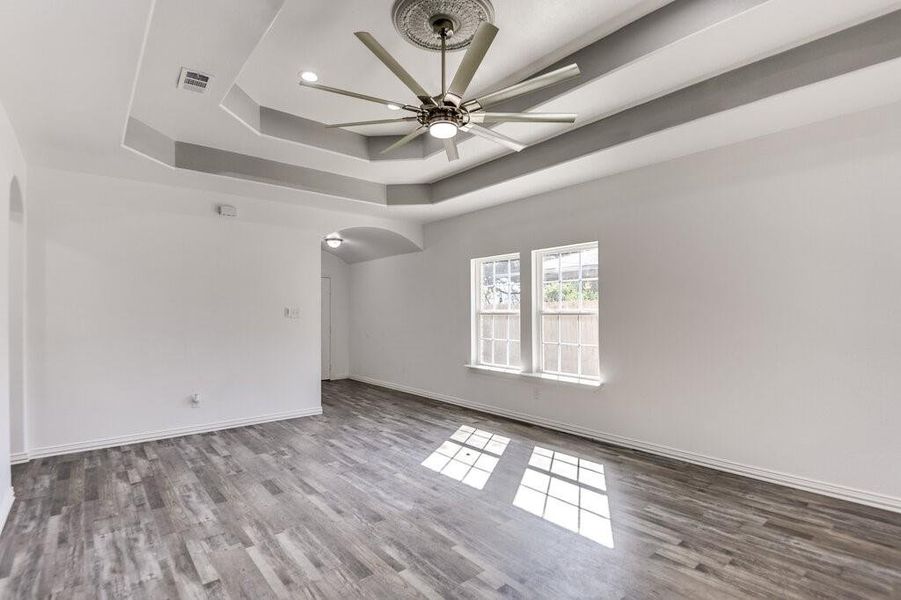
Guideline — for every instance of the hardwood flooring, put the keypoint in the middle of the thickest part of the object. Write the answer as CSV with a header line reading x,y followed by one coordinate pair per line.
x,y
390,496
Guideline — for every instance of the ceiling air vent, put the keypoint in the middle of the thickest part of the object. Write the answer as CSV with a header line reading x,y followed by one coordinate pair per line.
x,y
192,80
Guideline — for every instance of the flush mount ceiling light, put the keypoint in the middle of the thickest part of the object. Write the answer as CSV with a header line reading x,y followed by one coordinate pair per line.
x,y
452,24
333,240
309,76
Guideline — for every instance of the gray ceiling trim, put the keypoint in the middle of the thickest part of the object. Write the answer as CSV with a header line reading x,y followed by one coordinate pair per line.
x,y
644,36
307,132
274,123
233,164
855,48
144,139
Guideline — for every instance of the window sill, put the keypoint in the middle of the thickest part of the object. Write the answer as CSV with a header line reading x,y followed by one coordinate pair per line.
x,y
558,379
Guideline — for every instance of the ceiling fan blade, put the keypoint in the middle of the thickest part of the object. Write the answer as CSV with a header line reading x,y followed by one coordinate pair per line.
x,y
405,140
476,52
376,122
381,101
525,87
450,147
494,136
504,117
395,67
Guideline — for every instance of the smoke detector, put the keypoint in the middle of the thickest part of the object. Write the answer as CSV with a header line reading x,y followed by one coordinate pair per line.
x,y
191,79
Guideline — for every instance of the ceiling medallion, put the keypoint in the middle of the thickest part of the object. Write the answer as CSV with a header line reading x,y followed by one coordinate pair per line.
x,y
415,21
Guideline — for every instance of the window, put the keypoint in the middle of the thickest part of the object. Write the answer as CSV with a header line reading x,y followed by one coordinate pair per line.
x,y
496,311
567,311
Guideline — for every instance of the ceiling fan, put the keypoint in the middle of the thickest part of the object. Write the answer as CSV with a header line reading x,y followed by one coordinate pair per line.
x,y
447,113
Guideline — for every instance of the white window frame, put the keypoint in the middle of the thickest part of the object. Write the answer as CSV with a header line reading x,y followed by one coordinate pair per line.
x,y
538,312
477,311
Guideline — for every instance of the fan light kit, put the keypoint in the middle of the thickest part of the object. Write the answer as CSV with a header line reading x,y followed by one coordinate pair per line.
x,y
333,240
443,129
447,113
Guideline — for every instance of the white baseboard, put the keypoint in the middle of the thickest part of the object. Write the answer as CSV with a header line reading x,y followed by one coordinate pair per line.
x,y
794,481
147,436
17,458
6,505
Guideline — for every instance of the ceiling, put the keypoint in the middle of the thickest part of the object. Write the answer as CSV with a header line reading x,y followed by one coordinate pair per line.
x,y
318,37
81,77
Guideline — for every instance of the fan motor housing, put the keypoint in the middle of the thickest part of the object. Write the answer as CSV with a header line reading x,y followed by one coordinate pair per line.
x,y
450,114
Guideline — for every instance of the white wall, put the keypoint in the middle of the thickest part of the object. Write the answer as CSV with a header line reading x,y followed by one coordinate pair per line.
x,y
12,182
17,326
140,295
750,307
338,271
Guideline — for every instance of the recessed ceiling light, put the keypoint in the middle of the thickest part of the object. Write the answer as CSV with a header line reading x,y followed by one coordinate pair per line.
x,y
392,106
333,240
309,76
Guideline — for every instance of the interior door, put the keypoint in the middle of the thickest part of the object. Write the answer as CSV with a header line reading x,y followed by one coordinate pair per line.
x,y
326,328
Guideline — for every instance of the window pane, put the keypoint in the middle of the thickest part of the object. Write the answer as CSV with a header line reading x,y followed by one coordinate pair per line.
x,y
589,263
588,326
569,329
590,294
552,296
485,353
569,286
569,266
551,267
487,274
500,327
513,327
500,352
489,297
502,286
515,360
570,295
550,357
569,360
590,361
485,327
498,290
550,329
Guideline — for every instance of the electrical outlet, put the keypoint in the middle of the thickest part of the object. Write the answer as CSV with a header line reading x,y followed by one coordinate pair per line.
x,y
195,399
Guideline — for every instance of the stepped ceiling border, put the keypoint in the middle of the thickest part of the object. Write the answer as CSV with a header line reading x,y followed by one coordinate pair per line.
x,y
862,46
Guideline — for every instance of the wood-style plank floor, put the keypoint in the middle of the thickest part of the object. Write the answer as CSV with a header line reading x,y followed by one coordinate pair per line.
x,y
342,506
